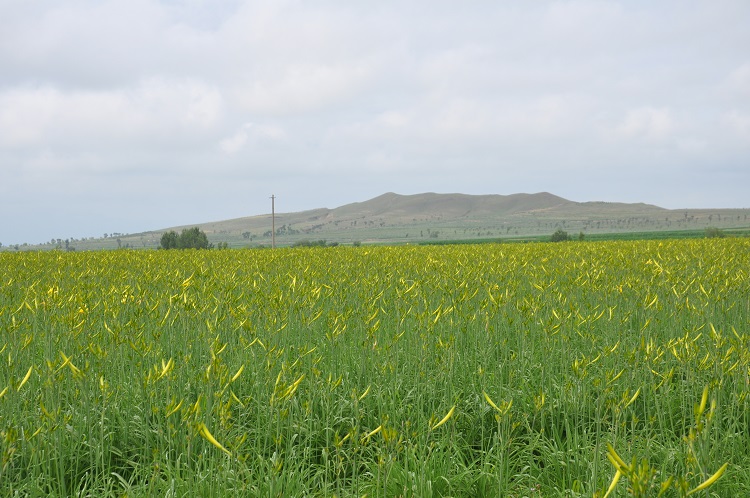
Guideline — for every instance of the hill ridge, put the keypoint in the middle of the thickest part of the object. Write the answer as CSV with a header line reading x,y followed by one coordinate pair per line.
x,y
426,217
407,218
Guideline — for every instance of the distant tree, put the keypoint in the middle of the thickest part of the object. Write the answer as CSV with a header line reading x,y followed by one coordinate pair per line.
x,y
310,243
713,233
193,238
560,235
581,236
169,240
190,238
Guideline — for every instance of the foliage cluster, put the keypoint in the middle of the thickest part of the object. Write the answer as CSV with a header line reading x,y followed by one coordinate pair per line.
x,y
714,233
486,370
190,238
310,243
314,243
560,235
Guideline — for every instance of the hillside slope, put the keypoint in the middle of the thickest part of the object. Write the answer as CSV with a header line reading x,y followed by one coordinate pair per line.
x,y
395,218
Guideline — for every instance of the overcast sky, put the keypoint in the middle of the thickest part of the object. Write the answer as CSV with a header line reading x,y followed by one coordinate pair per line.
x,y
133,115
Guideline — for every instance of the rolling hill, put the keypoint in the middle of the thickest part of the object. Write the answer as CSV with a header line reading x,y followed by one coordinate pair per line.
x,y
432,217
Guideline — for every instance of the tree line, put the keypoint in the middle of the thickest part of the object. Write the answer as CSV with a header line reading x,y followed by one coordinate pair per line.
x,y
190,238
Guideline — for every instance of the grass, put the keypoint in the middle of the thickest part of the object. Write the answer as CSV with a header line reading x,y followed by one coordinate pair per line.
x,y
370,370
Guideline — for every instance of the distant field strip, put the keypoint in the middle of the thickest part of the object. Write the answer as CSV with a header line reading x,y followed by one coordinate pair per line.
x,y
473,370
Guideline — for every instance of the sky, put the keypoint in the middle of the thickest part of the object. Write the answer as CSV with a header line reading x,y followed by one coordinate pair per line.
x,y
133,115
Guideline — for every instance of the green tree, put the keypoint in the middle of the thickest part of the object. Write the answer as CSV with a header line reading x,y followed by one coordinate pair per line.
x,y
193,238
190,238
560,235
169,240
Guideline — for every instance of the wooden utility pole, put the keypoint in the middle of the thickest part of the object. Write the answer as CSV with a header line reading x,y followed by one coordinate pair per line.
x,y
273,222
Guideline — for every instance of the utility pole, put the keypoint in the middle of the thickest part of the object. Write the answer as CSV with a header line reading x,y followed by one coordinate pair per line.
x,y
273,222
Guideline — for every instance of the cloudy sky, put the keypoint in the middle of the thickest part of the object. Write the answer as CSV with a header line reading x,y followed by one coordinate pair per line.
x,y
132,115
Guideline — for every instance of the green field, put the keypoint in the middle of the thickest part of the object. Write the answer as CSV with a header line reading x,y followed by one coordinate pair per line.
x,y
467,370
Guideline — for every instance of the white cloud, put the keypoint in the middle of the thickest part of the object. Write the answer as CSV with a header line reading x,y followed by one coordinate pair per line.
x,y
394,119
649,123
440,121
47,116
24,115
738,81
301,87
581,23
251,132
183,102
235,142
738,123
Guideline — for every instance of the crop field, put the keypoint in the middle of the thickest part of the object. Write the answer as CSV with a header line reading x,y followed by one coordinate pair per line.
x,y
529,370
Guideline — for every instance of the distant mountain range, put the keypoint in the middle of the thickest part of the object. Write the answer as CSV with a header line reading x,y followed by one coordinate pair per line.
x,y
431,217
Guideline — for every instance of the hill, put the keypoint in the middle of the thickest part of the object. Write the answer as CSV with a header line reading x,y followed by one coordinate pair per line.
x,y
432,217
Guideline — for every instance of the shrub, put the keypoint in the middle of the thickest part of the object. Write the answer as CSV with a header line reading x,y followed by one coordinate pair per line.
x,y
714,233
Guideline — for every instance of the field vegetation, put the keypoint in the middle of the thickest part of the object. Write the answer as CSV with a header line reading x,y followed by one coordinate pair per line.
x,y
519,370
